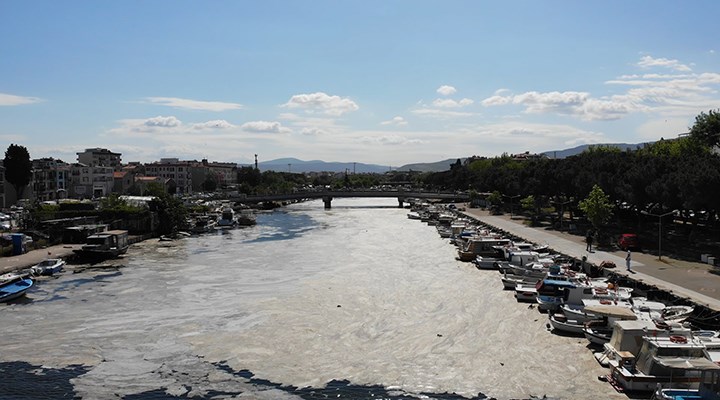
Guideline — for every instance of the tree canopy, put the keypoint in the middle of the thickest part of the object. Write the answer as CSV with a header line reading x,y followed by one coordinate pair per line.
x,y
18,168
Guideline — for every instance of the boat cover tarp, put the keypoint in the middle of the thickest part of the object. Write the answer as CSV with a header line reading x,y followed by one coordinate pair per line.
x,y
688,363
611,311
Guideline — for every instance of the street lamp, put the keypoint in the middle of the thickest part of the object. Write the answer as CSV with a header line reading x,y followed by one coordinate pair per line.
x,y
660,216
512,203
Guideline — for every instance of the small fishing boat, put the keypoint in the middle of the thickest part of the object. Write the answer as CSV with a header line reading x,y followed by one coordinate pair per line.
x,y
48,267
14,289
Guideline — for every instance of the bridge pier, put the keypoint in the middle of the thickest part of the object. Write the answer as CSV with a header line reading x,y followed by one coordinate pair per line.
x,y
327,200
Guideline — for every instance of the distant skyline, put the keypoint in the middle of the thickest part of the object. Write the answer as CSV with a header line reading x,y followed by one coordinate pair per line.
x,y
376,82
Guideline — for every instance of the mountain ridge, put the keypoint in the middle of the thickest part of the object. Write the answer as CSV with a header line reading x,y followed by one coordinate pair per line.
x,y
291,164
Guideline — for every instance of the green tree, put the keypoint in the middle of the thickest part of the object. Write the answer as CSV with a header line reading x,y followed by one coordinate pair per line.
x,y
18,168
707,128
210,184
172,213
597,207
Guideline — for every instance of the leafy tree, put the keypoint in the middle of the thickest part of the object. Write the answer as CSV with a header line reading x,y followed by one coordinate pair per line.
x,y
18,168
172,213
597,207
707,128
494,199
250,176
210,184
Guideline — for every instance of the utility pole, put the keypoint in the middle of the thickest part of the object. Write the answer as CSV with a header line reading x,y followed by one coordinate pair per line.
x,y
256,166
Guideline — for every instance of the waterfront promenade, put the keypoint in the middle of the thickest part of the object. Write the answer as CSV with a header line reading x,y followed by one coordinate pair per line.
x,y
695,281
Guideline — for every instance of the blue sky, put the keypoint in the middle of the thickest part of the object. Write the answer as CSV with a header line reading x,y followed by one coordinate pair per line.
x,y
382,82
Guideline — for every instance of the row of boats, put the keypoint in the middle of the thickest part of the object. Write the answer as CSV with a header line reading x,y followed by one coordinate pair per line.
x,y
225,218
648,346
16,284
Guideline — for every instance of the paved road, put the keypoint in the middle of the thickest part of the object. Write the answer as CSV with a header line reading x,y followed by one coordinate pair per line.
x,y
694,280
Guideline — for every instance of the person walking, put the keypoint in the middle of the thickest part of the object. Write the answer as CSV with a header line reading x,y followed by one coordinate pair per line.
x,y
589,240
628,259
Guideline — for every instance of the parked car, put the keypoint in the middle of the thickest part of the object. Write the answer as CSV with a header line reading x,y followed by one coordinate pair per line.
x,y
628,241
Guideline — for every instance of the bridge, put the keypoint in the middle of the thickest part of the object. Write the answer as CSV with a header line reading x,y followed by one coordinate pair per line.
x,y
328,195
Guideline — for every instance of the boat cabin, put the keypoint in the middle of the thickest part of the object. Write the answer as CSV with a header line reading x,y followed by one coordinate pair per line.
x,y
106,244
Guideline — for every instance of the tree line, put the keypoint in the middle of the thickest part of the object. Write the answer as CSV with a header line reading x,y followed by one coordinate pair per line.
x,y
680,174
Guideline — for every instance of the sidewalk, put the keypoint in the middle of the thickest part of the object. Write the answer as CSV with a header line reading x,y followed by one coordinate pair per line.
x,y
692,280
32,257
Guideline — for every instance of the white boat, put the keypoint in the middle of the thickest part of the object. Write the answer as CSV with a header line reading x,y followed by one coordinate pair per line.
x,y
560,323
48,267
227,219
599,331
627,338
413,215
480,246
673,361
203,224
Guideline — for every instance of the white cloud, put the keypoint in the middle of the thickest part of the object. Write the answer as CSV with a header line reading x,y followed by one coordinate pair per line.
x,y
398,121
432,112
450,103
214,124
312,132
194,104
390,140
446,90
649,62
497,101
323,103
264,127
162,122
13,100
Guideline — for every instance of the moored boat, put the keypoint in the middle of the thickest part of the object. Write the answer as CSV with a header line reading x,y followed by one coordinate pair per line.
x,y
15,288
48,267
104,245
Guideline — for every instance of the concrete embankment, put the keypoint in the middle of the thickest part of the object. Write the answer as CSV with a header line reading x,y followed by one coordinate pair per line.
x,y
63,251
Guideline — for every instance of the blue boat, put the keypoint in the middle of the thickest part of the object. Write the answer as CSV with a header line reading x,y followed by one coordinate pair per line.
x,y
15,288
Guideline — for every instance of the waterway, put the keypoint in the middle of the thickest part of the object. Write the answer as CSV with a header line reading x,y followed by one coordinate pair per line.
x,y
355,302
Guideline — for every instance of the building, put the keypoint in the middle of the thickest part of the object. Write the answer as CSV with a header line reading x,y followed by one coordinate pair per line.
x,y
225,173
100,157
172,168
90,182
50,179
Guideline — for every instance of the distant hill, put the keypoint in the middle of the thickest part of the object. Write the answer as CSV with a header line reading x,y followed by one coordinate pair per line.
x,y
430,167
298,166
579,149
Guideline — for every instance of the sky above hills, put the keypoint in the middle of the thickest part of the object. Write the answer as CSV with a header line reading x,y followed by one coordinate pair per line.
x,y
381,82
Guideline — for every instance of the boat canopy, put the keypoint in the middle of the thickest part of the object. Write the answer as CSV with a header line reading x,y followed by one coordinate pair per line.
x,y
611,311
688,363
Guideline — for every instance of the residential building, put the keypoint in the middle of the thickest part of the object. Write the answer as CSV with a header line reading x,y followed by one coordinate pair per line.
x,y
90,182
225,173
100,157
172,168
49,179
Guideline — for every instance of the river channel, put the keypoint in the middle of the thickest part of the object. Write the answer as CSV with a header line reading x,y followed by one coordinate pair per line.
x,y
355,302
